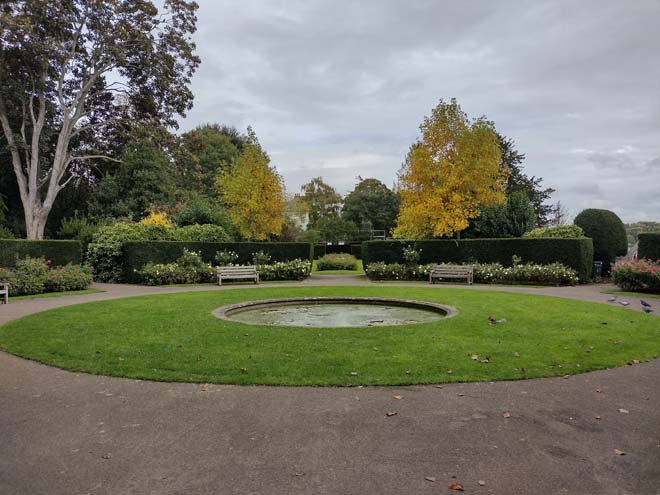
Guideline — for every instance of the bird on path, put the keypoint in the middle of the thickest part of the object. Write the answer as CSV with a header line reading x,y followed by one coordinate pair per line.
x,y
644,303
612,299
647,310
624,303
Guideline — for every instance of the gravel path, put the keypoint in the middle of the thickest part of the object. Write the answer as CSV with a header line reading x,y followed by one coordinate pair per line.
x,y
68,433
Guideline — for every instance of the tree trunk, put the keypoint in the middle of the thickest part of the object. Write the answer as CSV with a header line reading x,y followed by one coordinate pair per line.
x,y
35,221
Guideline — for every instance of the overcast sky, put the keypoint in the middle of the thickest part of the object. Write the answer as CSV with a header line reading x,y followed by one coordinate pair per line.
x,y
338,88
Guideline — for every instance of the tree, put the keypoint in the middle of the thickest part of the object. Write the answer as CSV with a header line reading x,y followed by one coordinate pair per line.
x,y
70,70
517,181
607,233
204,153
449,174
322,201
336,229
510,219
520,213
371,201
253,193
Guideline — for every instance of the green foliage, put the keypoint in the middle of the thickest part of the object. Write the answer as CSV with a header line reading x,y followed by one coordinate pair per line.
x,y
260,258
226,257
608,233
337,261
573,253
200,233
336,229
553,274
634,229
322,201
136,254
38,275
60,252
372,201
5,233
78,228
649,245
511,219
411,255
104,253
557,232
637,275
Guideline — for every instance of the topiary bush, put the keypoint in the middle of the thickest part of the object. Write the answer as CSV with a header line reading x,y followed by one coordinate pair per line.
x,y
557,232
649,245
337,261
608,234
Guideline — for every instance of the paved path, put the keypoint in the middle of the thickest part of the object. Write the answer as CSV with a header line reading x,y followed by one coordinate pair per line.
x,y
67,433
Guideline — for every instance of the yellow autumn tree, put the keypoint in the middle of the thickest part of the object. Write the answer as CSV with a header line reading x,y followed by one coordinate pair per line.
x,y
449,174
253,193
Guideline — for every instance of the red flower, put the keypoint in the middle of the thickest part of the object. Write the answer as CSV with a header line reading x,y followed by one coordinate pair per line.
x,y
53,277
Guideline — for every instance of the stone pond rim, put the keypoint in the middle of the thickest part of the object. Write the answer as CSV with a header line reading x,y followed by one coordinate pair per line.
x,y
226,312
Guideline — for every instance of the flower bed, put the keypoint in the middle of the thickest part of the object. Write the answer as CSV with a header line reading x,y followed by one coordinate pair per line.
x,y
637,275
37,275
484,273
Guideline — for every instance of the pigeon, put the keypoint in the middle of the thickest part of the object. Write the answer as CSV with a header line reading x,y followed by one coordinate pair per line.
x,y
647,310
644,303
612,299
624,303
493,321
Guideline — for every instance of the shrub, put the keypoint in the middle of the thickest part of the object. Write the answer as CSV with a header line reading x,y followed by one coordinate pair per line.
x,y
78,228
558,231
5,233
637,275
649,245
260,258
285,270
60,252
337,261
104,253
200,233
37,275
484,273
158,218
226,257
573,253
411,255
608,233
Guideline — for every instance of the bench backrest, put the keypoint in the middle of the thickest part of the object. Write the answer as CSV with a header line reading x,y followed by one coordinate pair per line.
x,y
452,269
237,270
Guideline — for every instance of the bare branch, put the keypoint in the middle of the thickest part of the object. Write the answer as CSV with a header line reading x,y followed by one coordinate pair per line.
x,y
88,157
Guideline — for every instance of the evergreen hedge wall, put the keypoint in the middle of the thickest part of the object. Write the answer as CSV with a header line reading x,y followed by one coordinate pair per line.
x,y
574,253
649,245
321,250
136,254
60,252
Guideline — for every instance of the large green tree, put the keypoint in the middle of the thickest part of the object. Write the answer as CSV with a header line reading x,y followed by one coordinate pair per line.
x,y
71,69
322,201
372,201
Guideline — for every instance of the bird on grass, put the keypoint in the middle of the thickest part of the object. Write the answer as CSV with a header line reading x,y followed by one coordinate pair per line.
x,y
494,321
644,303
647,310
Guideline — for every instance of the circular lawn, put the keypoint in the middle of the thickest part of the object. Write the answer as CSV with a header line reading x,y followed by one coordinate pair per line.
x,y
175,337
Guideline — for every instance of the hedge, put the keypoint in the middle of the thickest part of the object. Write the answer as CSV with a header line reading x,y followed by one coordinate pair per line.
x,y
649,245
607,233
573,253
321,250
136,254
60,252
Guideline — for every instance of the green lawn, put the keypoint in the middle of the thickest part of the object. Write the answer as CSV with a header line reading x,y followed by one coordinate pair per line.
x,y
359,271
55,294
174,337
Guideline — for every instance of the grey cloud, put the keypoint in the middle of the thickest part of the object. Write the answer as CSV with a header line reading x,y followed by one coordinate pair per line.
x,y
339,88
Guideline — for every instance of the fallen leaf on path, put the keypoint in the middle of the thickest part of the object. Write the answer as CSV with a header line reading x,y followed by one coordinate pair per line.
x,y
398,397
506,415
389,414
461,395
619,452
204,387
624,411
457,487
599,391
598,416
430,478
481,483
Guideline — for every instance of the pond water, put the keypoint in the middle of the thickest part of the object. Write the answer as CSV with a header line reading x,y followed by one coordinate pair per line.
x,y
334,314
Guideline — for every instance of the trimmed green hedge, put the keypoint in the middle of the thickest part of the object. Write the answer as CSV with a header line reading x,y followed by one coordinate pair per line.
x,y
321,250
136,254
649,246
607,233
60,252
573,253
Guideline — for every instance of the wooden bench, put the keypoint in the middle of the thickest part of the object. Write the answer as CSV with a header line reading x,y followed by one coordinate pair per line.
x,y
452,271
238,273
4,293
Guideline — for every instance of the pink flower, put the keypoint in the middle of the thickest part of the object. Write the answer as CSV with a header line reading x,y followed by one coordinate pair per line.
x,y
48,262
53,277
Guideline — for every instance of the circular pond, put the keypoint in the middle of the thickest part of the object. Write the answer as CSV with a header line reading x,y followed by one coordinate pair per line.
x,y
335,312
